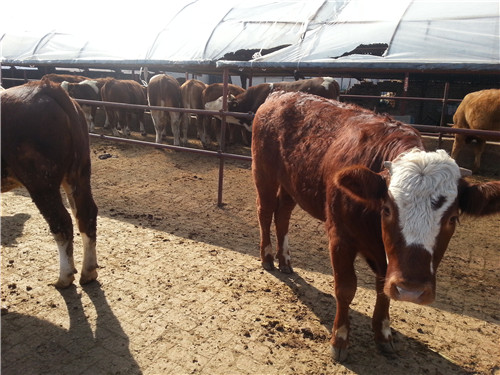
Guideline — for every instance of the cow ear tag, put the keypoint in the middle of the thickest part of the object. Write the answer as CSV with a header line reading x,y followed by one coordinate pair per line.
x,y
388,166
465,172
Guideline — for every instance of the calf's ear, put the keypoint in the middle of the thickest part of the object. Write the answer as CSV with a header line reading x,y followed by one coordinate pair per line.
x,y
362,184
479,199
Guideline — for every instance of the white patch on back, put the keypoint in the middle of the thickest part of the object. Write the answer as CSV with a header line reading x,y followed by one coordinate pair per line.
x,y
327,81
92,84
417,179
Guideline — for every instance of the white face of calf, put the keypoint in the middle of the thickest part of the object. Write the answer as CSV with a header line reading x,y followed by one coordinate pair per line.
x,y
418,220
216,105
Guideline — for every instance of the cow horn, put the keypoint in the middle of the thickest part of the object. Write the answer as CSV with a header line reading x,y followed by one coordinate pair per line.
x,y
465,172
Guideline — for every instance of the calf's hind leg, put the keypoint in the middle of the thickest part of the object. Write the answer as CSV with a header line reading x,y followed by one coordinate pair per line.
x,y
49,202
282,215
267,200
85,212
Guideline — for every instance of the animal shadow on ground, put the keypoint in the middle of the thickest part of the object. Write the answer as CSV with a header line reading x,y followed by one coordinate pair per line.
x,y
412,356
12,228
58,350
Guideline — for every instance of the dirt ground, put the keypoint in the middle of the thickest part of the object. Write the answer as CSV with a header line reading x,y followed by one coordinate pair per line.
x,y
181,289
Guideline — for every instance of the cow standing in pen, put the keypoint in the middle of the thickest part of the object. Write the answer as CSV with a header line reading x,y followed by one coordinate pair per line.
x,y
128,92
45,145
165,91
380,194
212,101
192,98
479,110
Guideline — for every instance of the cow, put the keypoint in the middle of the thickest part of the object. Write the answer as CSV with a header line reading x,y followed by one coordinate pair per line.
x,y
165,91
212,101
479,110
254,96
59,78
45,145
380,194
191,92
123,91
88,90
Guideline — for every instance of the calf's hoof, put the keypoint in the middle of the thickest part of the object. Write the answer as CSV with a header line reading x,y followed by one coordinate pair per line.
x,y
88,277
387,348
285,268
63,283
339,354
268,265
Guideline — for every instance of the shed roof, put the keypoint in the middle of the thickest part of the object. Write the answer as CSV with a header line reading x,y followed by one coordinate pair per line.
x,y
316,35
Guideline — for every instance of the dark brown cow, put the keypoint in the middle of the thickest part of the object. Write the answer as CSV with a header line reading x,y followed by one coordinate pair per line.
x,y
212,101
254,96
45,145
329,158
192,98
59,78
478,110
165,91
123,91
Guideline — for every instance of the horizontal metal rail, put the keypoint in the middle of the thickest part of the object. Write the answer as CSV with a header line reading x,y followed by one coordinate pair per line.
x,y
414,98
426,128
167,109
218,154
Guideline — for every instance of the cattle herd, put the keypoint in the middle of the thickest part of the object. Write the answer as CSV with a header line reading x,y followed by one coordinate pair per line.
x,y
367,176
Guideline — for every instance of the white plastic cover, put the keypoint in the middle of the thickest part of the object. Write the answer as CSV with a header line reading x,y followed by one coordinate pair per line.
x,y
201,31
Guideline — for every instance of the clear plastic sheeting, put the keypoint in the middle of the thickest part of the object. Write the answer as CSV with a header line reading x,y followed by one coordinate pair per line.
x,y
463,32
414,30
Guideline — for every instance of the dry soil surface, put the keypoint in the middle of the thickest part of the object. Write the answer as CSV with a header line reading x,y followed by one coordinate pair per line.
x,y
181,289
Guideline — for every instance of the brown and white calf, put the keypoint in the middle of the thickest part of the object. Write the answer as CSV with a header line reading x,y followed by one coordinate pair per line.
x,y
478,110
59,78
165,91
88,90
45,145
212,101
192,93
123,91
381,195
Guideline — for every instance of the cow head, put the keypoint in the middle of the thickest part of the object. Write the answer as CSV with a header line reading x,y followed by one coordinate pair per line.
x,y
419,198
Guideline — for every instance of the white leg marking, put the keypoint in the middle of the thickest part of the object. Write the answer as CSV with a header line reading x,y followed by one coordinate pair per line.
x,y
342,333
268,250
89,253
386,328
66,263
286,249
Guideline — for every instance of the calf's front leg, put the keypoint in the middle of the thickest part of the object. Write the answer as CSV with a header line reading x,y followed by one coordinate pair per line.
x,y
345,289
380,320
